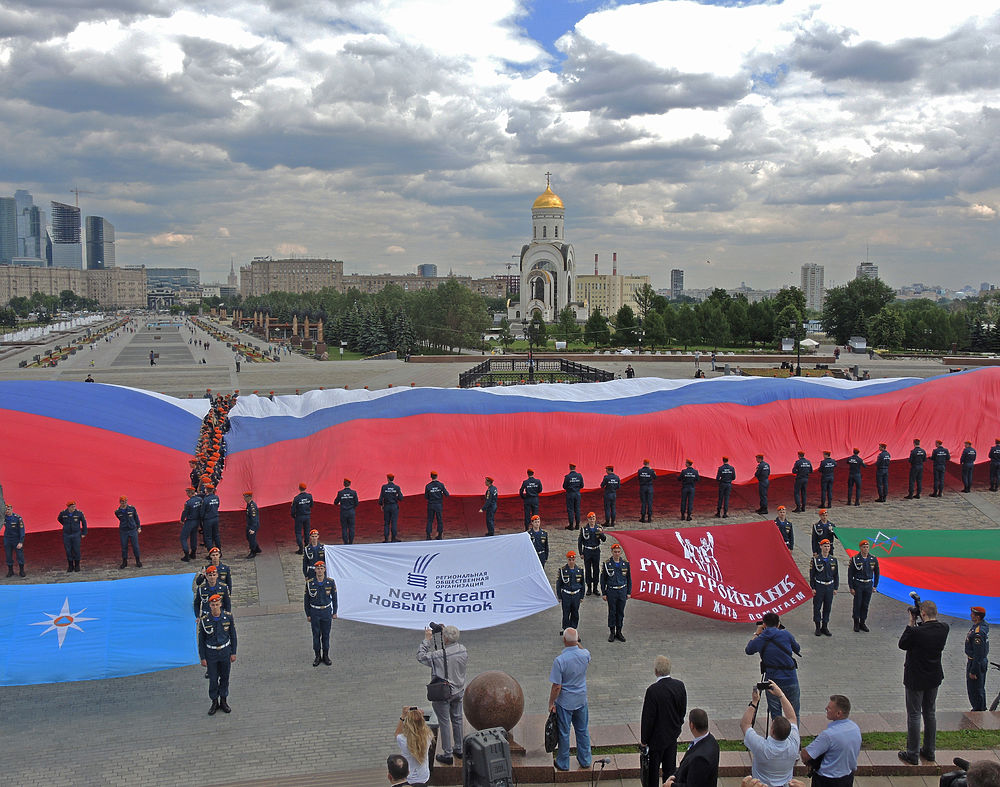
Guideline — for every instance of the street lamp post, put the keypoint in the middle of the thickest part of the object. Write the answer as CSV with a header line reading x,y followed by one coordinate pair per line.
x,y
798,347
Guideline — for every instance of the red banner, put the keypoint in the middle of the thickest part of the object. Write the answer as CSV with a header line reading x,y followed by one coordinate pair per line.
x,y
728,572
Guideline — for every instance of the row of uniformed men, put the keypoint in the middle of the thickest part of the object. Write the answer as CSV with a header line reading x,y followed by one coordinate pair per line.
x,y
74,528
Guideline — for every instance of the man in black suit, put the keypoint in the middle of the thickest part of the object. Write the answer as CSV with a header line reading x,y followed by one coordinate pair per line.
x,y
700,765
662,716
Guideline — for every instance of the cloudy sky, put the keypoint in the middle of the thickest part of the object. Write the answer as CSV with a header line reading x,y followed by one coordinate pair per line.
x,y
735,140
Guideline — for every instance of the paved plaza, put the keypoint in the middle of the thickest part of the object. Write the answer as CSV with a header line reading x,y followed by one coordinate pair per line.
x,y
290,719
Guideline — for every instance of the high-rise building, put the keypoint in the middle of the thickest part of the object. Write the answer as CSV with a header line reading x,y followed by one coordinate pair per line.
x,y
30,229
233,281
8,230
676,283
100,243
67,250
812,285
174,278
866,270
428,270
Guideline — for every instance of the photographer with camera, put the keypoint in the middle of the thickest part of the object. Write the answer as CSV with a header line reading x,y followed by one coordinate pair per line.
x,y
447,663
774,757
414,737
923,640
776,647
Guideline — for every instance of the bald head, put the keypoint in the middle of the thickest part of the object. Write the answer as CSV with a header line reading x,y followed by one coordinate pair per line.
x,y
571,637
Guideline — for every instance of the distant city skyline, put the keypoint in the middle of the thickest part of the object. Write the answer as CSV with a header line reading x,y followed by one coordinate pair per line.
x,y
731,141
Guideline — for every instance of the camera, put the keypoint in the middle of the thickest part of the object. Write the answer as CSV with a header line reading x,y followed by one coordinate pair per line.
x,y
437,627
915,609
764,685
956,778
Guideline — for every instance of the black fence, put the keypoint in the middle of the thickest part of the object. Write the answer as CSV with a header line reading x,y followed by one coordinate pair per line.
x,y
518,371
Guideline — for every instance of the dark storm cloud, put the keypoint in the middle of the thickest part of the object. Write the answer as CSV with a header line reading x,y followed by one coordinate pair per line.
x,y
623,85
40,21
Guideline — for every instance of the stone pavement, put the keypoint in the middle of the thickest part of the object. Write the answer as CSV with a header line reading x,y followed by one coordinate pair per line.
x,y
291,721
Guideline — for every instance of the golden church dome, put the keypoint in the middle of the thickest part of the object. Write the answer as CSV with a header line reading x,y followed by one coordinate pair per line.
x,y
547,199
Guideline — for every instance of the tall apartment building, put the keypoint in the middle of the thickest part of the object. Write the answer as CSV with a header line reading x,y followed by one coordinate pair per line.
x,y
67,249
428,270
100,243
812,285
676,283
866,270
121,288
31,232
8,230
264,275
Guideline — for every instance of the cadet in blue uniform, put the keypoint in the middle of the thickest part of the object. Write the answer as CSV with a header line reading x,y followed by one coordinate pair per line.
x,y
573,483
210,517
225,573
190,521
435,494
347,499
302,505
785,528
917,458
939,463
320,603
531,488
217,651
539,539
995,465
312,553
827,467
209,585
968,460
13,540
388,498
646,476
824,528
610,484
569,590
616,587
128,530
725,475
855,464
688,477
74,527
588,543
977,649
862,579
763,476
801,470
253,525
882,473
490,507
824,579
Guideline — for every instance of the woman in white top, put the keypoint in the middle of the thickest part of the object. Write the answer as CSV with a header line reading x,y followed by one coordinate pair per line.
x,y
414,739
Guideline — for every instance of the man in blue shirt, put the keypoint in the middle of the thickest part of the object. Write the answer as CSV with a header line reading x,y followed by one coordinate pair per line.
x,y
568,699
839,744
776,647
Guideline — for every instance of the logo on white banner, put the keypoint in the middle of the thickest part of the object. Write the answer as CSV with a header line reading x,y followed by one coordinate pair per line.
x,y
441,598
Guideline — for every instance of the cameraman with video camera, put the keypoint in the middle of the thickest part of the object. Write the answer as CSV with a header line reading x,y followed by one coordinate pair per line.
x,y
447,663
774,757
923,642
776,647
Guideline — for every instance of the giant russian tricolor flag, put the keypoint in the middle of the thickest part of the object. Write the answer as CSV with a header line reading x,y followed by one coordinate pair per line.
x,y
92,442
956,569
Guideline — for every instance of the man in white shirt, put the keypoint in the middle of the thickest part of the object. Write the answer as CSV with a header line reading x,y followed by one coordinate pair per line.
x,y
774,757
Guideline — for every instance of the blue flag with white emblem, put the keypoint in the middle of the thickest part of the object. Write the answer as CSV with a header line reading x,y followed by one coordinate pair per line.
x,y
93,630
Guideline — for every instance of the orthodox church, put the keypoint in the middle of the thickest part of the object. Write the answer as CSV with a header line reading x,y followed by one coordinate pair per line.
x,y
548,263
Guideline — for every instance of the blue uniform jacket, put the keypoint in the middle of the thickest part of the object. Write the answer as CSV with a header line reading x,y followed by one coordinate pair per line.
x,y
616,575
883,460
854,465
435,494
490,498
128,518
776,648
940,456
688,477
802,468
995,455
918,456
726,474
216,636
977,642
13,529
531,488
390,494
310,556
192,510
763,472
570,580
320,598
573,481
823,571
73,522
860,569
968,455
347,499
646,476
589,540
253,517
205,591
610,484
827,466
210,508
302,505
540,541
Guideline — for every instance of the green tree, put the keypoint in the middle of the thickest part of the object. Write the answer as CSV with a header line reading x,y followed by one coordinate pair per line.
x,y
847,309
566,328
8,317
506,337
886,329
595,330
626,332
713,327
537,334
67,300
655,329
644,298
20,305
686,327
739,320
790,296
761,323
788,324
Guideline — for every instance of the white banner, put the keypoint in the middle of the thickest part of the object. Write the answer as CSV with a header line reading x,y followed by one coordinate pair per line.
x,y
471,583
